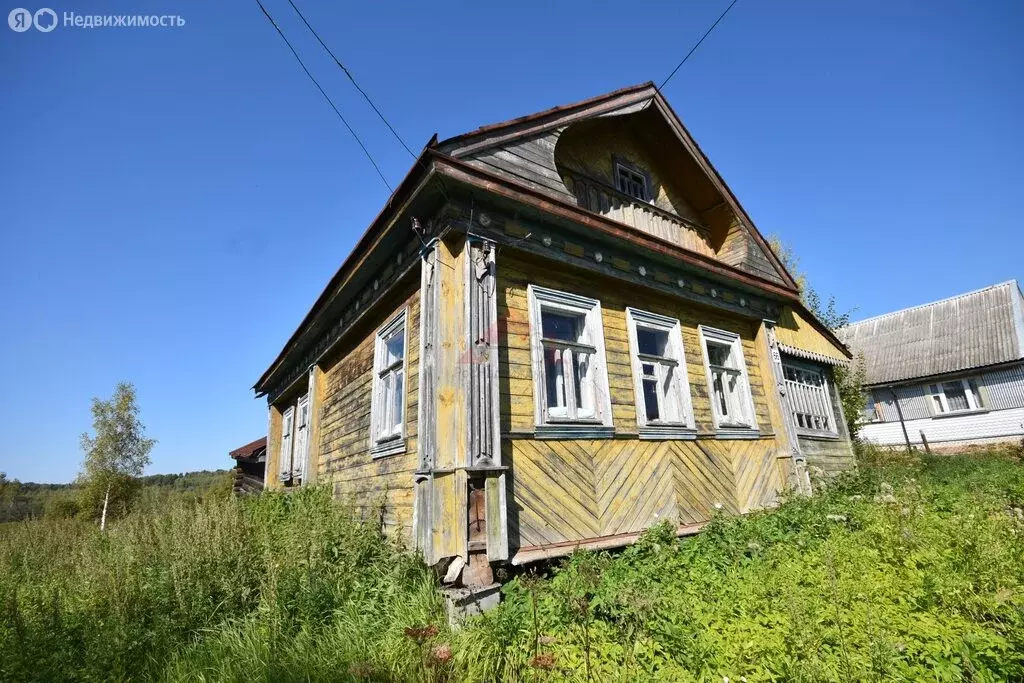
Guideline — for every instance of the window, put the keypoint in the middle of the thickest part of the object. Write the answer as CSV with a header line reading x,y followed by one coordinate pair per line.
x,y
660,383
633,182
570,380
728,385
287,434
955,396
387,413
809,399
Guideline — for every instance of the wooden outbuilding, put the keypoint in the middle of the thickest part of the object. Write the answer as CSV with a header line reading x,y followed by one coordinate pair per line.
x,y
560,330
250,465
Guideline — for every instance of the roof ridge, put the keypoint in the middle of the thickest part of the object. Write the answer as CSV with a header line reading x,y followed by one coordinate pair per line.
x,y
490,127
933,303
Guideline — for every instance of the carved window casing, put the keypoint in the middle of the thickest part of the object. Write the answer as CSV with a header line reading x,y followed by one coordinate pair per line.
x,y
387,413
660,382
570,376
728,383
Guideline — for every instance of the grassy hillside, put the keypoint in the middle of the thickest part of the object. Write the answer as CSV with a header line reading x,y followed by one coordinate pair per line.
x,y
29,500
905,571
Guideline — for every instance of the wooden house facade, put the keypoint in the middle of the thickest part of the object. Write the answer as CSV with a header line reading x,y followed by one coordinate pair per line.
x,y
561,330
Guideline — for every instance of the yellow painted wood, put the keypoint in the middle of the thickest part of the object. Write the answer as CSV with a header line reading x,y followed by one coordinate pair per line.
x,y
342,440
793,329
581,491
515,371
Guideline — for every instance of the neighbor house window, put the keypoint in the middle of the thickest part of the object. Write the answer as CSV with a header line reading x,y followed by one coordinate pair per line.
x,y
387,414
728,384
809,399
570,379
660,382
955,396
632,181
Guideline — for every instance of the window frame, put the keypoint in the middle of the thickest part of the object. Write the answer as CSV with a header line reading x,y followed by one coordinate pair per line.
x,y
826,388
640,174
938,404
542,299
748,428
683,426
392,442
287,437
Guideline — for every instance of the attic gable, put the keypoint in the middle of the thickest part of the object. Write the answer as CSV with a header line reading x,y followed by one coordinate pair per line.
x,y
572,153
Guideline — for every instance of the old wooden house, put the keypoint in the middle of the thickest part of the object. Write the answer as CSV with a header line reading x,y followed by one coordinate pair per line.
x,y
949,373
559,331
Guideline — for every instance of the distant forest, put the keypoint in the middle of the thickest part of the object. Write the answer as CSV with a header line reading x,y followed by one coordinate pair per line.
x,y
29,500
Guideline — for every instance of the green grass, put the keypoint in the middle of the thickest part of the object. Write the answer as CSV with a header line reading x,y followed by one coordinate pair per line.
x,y
908,570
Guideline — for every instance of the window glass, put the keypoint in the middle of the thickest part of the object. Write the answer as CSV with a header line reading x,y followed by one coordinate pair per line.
x,y
651,342
956,397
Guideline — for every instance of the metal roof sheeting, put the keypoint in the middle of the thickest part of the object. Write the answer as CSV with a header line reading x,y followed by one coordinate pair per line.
x,y
972,330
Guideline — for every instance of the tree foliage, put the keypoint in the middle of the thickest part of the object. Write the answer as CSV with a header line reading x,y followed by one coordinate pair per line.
x,y
850,379
118,453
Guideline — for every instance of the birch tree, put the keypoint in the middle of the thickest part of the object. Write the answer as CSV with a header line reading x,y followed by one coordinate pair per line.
x,y
117,454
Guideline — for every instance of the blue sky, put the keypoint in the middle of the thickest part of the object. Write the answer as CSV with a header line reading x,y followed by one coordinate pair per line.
x,y
173,199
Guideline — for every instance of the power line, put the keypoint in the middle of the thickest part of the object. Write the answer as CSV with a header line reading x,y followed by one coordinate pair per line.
x,y
326,96
694,48
352,78
442,185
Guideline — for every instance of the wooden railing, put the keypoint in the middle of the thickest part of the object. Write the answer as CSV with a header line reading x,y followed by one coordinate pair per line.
x,y
810,406
603,199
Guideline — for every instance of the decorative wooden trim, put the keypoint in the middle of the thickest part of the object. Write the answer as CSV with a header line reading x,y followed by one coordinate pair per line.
x,y
665,432
392,444
673,328
811,355
705,333
571,430
540,298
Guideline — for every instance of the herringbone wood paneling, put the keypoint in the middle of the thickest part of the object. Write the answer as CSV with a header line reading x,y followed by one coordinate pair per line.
x,y
565,491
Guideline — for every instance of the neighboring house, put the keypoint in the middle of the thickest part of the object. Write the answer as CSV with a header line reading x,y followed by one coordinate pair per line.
x,y
559,331
951,372
250,465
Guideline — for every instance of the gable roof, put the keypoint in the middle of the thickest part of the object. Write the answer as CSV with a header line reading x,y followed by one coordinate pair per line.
x,y
625,100
447,159
967,331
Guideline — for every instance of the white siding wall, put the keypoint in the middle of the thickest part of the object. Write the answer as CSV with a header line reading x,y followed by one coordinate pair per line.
x,y
1002,424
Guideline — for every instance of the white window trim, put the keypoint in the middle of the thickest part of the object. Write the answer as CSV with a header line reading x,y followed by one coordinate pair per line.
x,y
287,444
833,431
391,444
300,458
600,426
973,405
649,198
661,429
748,428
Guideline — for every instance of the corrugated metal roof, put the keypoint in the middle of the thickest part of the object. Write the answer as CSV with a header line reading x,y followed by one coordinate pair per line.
x,y
972,330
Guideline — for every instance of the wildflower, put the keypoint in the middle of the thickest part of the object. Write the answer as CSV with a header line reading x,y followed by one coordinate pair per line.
x,y
544,661
885,487
546,640
836,518
856,498
420,634
442,653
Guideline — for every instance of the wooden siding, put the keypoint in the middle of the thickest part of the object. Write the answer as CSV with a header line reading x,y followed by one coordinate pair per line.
x,y
792,329
530,161
574,491
569,491
516,371
344,445
590,149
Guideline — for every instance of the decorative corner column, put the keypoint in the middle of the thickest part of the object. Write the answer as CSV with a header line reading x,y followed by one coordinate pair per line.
x,y
799,479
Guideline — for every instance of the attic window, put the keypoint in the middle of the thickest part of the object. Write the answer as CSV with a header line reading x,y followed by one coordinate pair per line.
x,y
632,181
